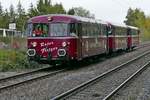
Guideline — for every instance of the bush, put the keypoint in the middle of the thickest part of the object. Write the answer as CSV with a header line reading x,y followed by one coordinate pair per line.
x,y
13,60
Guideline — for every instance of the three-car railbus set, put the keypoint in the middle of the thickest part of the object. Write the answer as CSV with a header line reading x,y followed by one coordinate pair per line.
x,y
61,38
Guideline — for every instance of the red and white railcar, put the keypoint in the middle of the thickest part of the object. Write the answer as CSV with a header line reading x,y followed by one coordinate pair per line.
x,y
60,38
133,37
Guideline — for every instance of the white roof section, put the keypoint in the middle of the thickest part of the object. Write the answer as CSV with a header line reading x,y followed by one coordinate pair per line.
x,y
117,24
79,18
132,27
84,19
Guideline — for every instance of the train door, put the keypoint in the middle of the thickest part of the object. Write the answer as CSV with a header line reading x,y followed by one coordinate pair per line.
x,y
107,39
113,38
129,38
110,38
79,41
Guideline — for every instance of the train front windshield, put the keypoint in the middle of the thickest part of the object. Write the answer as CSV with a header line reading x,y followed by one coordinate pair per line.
x,y
58,29
52,29
38,30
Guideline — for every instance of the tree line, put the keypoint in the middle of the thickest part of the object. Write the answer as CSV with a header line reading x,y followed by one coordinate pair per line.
x,y
20,16
135,17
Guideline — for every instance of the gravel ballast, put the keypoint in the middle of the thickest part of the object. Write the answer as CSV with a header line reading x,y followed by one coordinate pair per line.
x,y
139,89
102,88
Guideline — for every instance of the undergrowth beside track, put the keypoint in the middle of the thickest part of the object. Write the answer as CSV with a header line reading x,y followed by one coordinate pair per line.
x,y
14,60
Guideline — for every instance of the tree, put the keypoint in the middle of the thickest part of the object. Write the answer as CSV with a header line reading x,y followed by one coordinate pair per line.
x,y
1,9
5,19
46,7
146,29
79,11
12,13
71,12
32,11
20,9
135,17
21,17
1,15
40,7
59,9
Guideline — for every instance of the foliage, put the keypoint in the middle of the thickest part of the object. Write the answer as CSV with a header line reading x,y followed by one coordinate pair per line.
x,y
46,7
1,9
12,13
71,12
136,17
4,22
20,17
79,11
146,29
13,60
32,11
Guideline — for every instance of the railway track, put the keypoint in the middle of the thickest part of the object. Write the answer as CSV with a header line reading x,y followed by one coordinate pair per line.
x,y
127,81
81,89
143,45
22,78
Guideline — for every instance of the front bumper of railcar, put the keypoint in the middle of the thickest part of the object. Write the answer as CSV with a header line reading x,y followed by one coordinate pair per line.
x,y
62,56
62,53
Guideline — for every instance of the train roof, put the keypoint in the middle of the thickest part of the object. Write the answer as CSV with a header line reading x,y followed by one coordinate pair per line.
x,y
132,27
77,18
82,19
117,24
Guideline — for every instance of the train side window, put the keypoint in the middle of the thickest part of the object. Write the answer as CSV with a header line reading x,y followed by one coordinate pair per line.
x,y
128,31
117,31
85,25
91,30
95,29
109,30
83,29
79,29
86,29
99,29
73,29
104,30
134,32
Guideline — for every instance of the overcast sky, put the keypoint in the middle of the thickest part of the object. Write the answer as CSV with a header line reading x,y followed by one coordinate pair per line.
x,y
108,10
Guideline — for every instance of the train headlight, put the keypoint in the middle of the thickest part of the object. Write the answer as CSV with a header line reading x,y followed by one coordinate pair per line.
x,y
31,52
61,52
34,44
64,44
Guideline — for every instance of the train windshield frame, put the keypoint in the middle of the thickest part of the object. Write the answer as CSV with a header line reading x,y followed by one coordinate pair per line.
x,y
58,29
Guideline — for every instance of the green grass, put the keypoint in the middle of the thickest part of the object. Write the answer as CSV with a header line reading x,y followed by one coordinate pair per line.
x,y
14,60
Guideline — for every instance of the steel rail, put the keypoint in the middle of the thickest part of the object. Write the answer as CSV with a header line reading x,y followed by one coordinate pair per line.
x,y
93,80
126,81
142,46
22,74
33,79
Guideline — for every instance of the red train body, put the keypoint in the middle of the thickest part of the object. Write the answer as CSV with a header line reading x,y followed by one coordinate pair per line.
x,y
60,38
